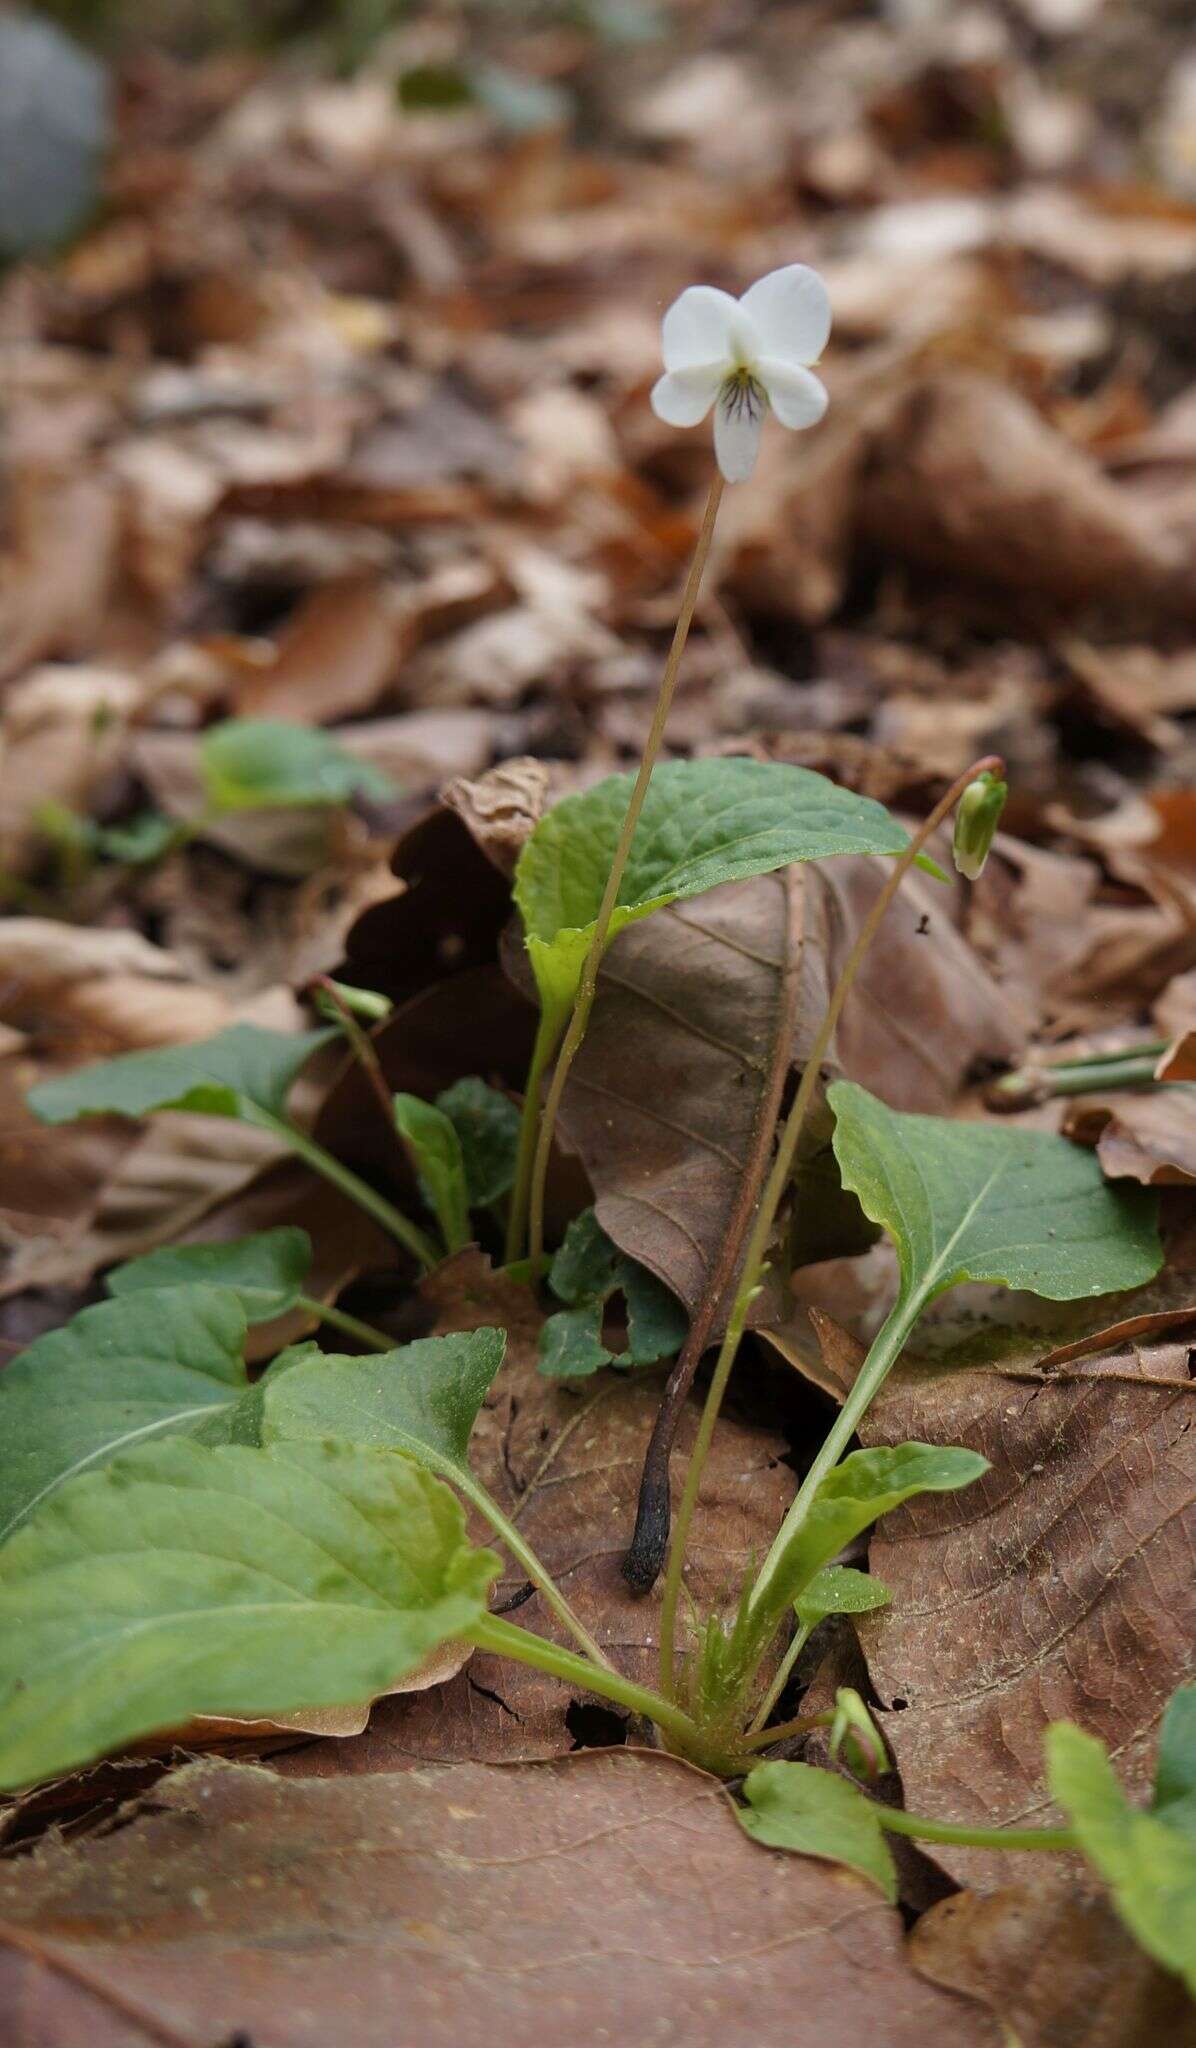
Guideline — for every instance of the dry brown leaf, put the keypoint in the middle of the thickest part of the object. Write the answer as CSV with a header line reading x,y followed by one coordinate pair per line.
x,y
1053,1963
1143,1134
169,1176
663,1101
965,478
1059,1586
334,658
63,730
601,1898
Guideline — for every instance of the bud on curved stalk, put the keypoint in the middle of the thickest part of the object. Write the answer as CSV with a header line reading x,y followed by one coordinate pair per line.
x,y
977,816
855,1734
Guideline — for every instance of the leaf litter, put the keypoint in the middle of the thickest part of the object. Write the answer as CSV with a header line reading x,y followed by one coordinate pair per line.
x,y
337,414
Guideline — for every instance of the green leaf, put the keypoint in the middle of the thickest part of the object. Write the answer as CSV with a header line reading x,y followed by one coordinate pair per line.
x,y
853,1495
794,1806
423,1397
487,1125
228,1075
586,1271
184,1581
571,1346
1148,1864
586,1268
969,1201
142,840
254,764
657,1325
703,823
114,1375
435,1152
266,1271
837,1589
1175,1770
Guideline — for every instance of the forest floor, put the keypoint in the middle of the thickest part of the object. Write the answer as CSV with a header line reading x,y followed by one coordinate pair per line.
x,y
337,414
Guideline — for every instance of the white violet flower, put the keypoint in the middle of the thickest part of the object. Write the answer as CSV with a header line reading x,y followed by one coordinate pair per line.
x,y
745,356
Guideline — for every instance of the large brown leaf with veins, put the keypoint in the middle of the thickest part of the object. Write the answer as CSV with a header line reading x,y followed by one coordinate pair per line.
x,y
603,1899
704,1007
1058,1586
1051,1960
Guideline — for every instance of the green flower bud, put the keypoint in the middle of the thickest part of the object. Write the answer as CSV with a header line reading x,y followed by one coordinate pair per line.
x,y
977,815
856,1735
365,1003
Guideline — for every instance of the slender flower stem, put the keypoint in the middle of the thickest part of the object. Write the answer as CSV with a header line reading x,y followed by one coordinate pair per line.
x,y
801,1637
1133,1067
785,1731
762,1228
506,1639
408,1234
460,1476
548,1037
921,1829
587,988
340,1319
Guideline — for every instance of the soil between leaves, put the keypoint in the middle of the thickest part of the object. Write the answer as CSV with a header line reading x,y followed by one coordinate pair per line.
x,y
614,1898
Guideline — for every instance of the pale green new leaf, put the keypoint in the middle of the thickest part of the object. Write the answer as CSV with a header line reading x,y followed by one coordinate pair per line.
x,y
1148,1863
794,1806
839,1589
972,1201
853,1495
435,1152
253,764
239,1069
266,1271
169,1359
184,1580
422,1398
703,823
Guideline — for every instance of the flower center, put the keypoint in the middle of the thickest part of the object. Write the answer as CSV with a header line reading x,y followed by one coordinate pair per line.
x,y
743,396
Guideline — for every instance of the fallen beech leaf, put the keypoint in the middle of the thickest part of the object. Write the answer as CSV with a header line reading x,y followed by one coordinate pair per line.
x,y
1143,1134
62,731
681,1051
593,1898
161,1184
335,657
501,809
965,477
1006,1604
1053,1963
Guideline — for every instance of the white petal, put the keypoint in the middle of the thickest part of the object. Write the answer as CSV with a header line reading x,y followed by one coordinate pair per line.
x,y
697,327
791,311
737,437
795,394
683,397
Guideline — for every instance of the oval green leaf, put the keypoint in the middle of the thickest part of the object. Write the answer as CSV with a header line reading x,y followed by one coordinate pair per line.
x,y
228,1075
703,823
971,1201
185,1581
166,1360
1149,1865
266,1271
794,1806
